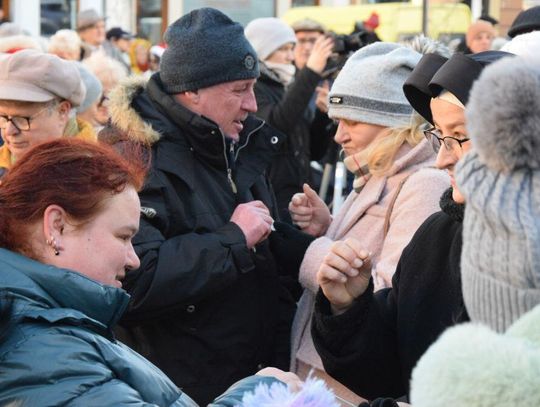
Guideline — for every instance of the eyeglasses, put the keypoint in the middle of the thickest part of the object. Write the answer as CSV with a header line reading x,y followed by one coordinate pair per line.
x,y
304,41
450,143
103,101
21,123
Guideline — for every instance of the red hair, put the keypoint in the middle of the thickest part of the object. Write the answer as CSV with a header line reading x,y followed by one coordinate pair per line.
x,y
73,174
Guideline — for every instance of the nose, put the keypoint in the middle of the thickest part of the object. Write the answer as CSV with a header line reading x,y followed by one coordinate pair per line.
x,y
249,103
290,55
341,134
10,129
132,262
445,159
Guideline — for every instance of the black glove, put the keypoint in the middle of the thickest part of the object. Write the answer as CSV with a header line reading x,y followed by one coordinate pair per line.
x,y
380,402
288,245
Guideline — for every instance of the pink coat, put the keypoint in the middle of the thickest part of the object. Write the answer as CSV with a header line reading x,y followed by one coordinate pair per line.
x,y
362,216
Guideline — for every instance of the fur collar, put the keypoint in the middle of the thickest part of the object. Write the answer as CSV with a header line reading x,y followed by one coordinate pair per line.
x,y
123,115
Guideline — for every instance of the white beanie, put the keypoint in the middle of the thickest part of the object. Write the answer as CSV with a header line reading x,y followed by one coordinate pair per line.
x,y
369,88
268,34
524,45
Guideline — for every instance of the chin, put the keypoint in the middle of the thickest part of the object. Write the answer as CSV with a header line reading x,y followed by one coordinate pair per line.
x,y
457,197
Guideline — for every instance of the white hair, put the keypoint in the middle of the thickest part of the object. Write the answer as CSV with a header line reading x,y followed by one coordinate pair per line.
x,y
65,40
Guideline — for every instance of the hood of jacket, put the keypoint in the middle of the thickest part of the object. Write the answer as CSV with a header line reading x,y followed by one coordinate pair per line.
x,y
45,292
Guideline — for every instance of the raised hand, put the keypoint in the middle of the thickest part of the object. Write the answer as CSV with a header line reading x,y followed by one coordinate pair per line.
x,y
309,212
255,221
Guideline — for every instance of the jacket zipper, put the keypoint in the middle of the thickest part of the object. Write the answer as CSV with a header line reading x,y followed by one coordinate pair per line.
x,y
247,138
229,171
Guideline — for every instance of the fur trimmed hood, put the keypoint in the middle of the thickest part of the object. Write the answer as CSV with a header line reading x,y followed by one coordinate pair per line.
x,y
503,115
123,115
471,365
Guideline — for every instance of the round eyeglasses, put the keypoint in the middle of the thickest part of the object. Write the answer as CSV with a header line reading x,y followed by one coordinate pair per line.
x,y
434,136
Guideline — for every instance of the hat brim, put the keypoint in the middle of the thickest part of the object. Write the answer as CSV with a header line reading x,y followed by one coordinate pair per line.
x,y
24,92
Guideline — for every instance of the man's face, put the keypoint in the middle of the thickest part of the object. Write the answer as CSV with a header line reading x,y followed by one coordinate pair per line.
x,y
228,105
94,35
47,122
304,46
122,44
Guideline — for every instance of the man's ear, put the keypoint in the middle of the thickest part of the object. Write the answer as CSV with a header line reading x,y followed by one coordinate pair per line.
x,y
64,107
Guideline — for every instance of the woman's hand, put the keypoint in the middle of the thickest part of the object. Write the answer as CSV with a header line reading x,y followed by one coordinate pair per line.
x,y
344,274
309,212
292,381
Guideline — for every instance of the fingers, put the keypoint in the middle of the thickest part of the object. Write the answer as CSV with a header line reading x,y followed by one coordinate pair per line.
x,y
343,259
327,274
299,199
357,247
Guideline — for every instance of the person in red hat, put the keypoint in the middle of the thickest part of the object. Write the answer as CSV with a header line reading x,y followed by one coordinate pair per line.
x,y
367,28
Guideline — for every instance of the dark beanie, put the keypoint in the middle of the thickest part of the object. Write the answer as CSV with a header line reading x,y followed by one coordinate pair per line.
x,y
205,48
526,21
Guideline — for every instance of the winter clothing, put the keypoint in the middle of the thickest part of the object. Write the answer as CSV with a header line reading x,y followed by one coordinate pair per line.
x,y
58,348
384,66
433,74
83,129
87,19
268,34
373,347
476,29
205,35
472,366
362,216
307,135
501,183
525,45
32,76
92,85
308,25
205,308
526,21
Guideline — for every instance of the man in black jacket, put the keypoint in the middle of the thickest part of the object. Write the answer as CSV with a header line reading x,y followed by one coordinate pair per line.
x,y
207,306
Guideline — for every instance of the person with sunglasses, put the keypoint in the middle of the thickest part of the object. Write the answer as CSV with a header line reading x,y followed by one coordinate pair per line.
x,y
38,94
370,341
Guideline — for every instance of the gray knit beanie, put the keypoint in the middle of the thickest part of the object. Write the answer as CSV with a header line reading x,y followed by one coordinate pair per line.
x,y
500,180
369,87
93,88
268,34
205,48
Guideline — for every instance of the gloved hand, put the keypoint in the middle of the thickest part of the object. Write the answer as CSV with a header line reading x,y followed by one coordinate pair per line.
x,y
288,245
380,402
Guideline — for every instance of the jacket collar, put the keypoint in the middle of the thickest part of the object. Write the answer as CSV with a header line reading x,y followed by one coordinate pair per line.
x,y
53,294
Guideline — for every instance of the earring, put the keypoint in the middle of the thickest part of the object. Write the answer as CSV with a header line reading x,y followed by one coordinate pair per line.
x,y
52,242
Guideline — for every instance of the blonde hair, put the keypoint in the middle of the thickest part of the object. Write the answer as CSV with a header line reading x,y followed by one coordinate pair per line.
x,y
108,70
382,152
65,40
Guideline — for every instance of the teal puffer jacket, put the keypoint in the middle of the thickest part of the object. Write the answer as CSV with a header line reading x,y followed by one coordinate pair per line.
x,y
59,348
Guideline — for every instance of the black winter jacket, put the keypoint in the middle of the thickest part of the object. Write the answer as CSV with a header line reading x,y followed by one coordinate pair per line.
x,y
373,347
307,132
204,308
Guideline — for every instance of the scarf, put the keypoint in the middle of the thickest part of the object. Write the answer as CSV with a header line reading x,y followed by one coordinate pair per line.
x,y
284,72
357,164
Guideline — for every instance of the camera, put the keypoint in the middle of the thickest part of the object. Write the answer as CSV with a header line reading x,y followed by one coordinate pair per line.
x,y
345,44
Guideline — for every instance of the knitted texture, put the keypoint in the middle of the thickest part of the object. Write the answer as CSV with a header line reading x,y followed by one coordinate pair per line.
x,y
500,261
369,87
205,48
268,34
526,21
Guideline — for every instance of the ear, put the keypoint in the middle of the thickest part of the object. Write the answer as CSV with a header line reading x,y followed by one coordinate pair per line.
x,y
54,222
192,96
64,107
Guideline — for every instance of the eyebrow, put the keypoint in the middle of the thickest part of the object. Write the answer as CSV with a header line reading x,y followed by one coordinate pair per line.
x,y
457,123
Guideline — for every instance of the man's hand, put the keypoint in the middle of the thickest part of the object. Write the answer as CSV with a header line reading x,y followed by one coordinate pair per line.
x,y
254,219
344,274
322,49
290,379
322,97
309,212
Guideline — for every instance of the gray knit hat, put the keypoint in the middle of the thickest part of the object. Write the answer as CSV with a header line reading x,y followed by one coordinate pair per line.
x,y
205,48
369,87
500,179
268,34
93,87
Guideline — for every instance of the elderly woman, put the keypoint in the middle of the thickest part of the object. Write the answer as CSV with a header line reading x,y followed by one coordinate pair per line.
x,y
395,186
283,100
64,250
370,341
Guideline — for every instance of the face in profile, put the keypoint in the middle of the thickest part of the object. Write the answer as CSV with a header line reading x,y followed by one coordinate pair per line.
x,y
449,120
100,249
355,137
24,125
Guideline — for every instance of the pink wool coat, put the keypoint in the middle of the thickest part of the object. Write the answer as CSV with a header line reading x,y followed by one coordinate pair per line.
x,y
362,217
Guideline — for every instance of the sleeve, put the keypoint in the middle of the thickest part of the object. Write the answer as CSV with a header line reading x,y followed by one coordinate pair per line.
x,y
183,268
322,131
359,348
234,394
417,200
284,114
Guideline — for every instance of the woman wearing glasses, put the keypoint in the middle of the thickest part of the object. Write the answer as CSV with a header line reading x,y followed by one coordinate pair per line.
x,y
371,341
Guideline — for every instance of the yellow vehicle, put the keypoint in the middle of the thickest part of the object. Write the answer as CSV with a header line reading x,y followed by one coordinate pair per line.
x,y
398,21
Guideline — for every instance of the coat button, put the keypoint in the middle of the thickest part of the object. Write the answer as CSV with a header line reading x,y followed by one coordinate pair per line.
x,y
274,140
190,308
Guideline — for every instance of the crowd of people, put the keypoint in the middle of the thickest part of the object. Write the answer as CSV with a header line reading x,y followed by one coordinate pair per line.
x,y
163,241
